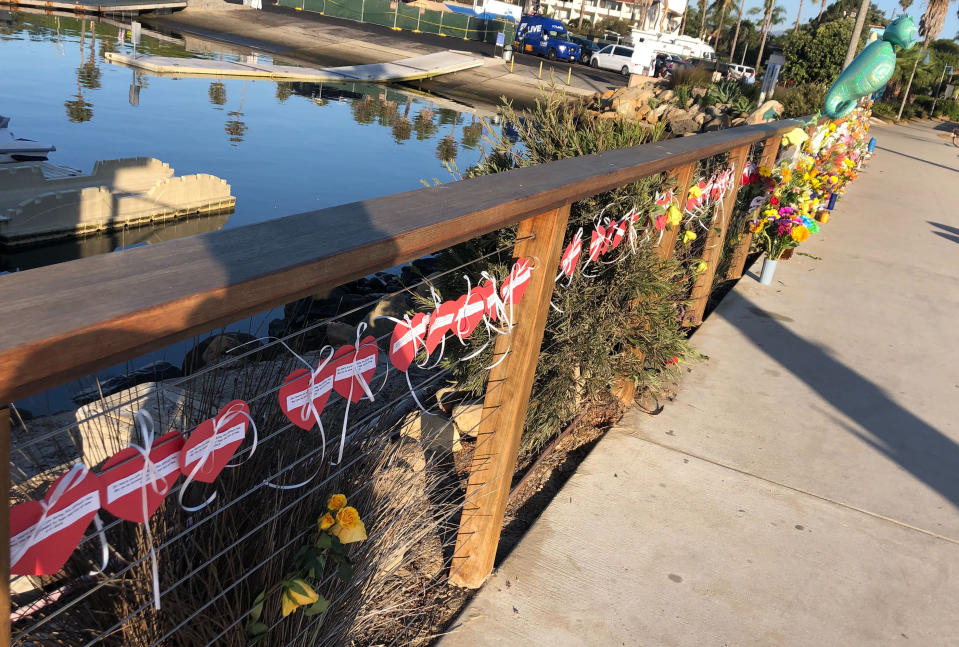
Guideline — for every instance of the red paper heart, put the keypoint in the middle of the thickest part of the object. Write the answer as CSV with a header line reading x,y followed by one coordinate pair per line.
x,y
441,322
124,477
349,363
294,395
492,301
571,255
598,243
617,232
470,313
60,531
665,199
217,439
514,287
407,339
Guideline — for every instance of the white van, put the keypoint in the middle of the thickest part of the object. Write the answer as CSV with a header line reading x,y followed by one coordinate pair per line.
x,y
740,71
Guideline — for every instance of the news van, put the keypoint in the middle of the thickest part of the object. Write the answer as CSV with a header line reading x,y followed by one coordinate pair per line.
x,y
545,37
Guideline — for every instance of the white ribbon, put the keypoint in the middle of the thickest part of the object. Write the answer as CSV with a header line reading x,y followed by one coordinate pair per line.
x,y
145,424
417,343
207,448
356,377
309,408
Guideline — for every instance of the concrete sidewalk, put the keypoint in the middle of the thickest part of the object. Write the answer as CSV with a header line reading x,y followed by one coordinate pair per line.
x,y
803,488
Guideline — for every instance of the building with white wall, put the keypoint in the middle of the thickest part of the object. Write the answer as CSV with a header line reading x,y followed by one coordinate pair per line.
x,y
664,16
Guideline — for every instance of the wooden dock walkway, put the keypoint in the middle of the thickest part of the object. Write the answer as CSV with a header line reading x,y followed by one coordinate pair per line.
x,y
100,6
407,69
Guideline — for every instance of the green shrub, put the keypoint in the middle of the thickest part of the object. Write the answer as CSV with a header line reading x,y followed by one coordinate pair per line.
x,y
632,304
948,108
885,110
722,92
695,77
683,95
802,100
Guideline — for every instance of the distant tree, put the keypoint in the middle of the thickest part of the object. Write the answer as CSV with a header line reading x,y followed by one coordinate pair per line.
x,y
424,125
284,90
817,56
446,149
472,133
773,14
905,4
78,109
217,93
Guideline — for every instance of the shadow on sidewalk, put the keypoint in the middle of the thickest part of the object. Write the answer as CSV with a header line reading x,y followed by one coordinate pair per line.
x,y
896,432
949,233
919,159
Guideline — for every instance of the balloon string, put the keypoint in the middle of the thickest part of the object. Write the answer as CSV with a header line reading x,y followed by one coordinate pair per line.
x,y
356,377
145,425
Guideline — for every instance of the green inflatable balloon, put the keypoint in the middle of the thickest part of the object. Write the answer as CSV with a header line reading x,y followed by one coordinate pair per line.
x,y
871,70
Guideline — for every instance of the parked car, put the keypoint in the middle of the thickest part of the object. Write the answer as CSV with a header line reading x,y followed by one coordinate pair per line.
x,y
545,37
616,57
586,48
666,64
740,71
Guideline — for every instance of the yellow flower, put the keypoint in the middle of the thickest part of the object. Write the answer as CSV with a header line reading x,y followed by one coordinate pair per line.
x,y
832,128
757,227
765,171
800,233
701,267
297,593
770,213
695,191
787,175
688,236
674,216
833,179
349,528
336,501
326,521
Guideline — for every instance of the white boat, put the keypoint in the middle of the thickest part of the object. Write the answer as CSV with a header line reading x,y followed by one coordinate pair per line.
x,y
16,149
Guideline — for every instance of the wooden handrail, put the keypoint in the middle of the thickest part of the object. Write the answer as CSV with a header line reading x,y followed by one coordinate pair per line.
x,y
65,321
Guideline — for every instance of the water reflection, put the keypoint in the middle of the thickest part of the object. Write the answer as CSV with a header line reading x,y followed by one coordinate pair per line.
x,y
284,147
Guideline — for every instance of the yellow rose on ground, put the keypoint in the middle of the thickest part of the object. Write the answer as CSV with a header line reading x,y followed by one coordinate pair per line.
x,y
297,593
674,216
336,501
349,527
326,521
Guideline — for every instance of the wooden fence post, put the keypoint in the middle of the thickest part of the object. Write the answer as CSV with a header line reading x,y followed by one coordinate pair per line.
x,y
714,242
738,261
507,399
5,526
684,179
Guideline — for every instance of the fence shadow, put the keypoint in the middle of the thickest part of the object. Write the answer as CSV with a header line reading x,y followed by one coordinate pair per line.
x,y
896,432
949,233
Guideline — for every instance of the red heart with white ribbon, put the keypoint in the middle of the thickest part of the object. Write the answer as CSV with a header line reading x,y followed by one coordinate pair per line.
x,y
617,233
514,287
408,337
598,243
354,368
470,313
299,389
493,303
571,254
214,441
43,534
441,322
133,488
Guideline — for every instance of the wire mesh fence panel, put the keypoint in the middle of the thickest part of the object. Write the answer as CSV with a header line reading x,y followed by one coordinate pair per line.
x,y
408,16
379,12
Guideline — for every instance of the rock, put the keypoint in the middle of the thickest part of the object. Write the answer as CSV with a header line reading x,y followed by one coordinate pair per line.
x,y
642,110
340,334
660,110
155,372
213,349
769,111
738,121
666,94
107,426
683,125
467,418
697,92
61,445
651,118
434,433
714,112
395,306
610,115
701,118
717,123
624,106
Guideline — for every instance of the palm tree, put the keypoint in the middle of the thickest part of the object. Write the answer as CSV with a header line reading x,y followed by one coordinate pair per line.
x,y
822,7
798,16
739,22
773,14
930,25
722,19
702,18
905,4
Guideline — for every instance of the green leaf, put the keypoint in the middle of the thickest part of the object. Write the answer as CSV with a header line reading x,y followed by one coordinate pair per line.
x,y
324,540
318,607
296,587
345,571
257,609
256,629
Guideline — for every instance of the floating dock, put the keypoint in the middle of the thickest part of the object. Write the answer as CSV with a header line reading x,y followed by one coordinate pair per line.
x,y
38,205
407,69
101,6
